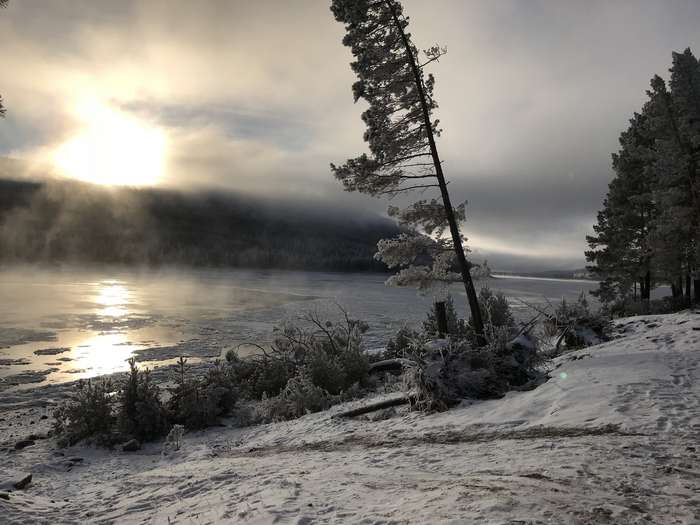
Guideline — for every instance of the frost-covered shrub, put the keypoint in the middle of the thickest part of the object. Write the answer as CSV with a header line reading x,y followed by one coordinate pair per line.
x,y
495,310
173,441
133,408
199,402
299,397
330,353
410,343
456,327
87,414
324,369
405,343
460,368
260,374
462,371
518,359
221,389
140,411
577,326
336,369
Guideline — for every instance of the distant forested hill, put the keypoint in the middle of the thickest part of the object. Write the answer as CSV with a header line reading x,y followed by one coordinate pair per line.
x,y
76,222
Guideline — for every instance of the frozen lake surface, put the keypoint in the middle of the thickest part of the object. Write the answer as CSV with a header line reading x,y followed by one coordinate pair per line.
x,y
60,325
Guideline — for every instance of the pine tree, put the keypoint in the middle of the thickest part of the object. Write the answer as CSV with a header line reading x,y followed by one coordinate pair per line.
x,y
685,96
650,222
677,172
401,136
620,250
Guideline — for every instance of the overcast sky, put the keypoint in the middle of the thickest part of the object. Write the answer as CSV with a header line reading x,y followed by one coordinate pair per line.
x,y
256,96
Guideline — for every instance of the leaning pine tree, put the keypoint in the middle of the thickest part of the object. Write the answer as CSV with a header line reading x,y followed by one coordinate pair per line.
x,y
404,157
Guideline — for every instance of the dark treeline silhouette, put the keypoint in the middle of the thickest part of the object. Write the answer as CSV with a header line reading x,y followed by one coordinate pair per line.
x,y
71,222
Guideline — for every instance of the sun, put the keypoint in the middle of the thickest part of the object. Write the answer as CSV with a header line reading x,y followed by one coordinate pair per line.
x,y
112,148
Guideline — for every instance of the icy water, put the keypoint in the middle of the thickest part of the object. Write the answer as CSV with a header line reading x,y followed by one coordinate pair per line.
x,y
62,325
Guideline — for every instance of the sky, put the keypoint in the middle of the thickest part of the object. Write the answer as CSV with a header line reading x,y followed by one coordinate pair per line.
x,y
256,97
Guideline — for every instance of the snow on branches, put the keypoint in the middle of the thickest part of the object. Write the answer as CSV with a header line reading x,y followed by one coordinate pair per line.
x,y
427,216
396,130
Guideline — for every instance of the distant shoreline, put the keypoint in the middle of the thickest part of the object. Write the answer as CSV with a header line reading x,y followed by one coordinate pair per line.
x,y
513,276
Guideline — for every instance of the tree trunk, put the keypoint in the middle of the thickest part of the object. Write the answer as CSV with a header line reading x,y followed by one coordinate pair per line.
x,y
464,265
674,291
441,318
645,287
373,407
394,366
696,289
688,293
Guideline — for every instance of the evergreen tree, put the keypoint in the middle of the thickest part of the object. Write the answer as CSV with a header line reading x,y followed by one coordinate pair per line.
x,y
401,136
685,96
649,228
621,247
677,174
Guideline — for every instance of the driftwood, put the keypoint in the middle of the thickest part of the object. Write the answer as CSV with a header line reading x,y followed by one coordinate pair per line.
x,y
395,366
380,405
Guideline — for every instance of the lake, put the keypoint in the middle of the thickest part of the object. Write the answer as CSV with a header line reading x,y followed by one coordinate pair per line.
x,y
61,325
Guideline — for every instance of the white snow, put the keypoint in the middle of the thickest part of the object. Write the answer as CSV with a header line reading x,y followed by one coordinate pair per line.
x,y
611,438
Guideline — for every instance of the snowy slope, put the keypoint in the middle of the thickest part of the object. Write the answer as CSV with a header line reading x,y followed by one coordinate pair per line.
x,y
611,438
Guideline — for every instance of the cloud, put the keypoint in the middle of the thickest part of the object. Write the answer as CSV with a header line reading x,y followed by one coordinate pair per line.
x,y
255,96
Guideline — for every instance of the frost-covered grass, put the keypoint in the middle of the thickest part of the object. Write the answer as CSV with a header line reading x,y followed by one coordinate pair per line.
x,y
611,438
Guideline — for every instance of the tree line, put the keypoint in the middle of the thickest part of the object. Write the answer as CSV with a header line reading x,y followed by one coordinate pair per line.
x,y
72,222
648,232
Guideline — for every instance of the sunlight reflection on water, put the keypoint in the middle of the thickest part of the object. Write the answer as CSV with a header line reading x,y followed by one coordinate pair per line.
x,y
103,353
107,351
113,298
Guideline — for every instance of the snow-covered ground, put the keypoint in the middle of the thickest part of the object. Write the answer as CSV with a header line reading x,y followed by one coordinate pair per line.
x,y
611,438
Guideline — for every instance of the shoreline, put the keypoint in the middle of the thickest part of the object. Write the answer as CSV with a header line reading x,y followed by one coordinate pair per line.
x,y
566,279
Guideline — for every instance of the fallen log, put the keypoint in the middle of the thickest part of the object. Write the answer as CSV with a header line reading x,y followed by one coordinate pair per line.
x,y
380,405
391,365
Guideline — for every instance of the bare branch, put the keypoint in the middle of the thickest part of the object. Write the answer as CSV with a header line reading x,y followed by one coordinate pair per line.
x,y
434,59
409,188
406,157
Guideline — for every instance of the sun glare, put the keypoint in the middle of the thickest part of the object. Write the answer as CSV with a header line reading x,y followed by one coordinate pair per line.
x,y
103,353
113,299
112,148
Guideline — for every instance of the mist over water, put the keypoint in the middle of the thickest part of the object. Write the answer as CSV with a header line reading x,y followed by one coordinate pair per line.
x,y
64,324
